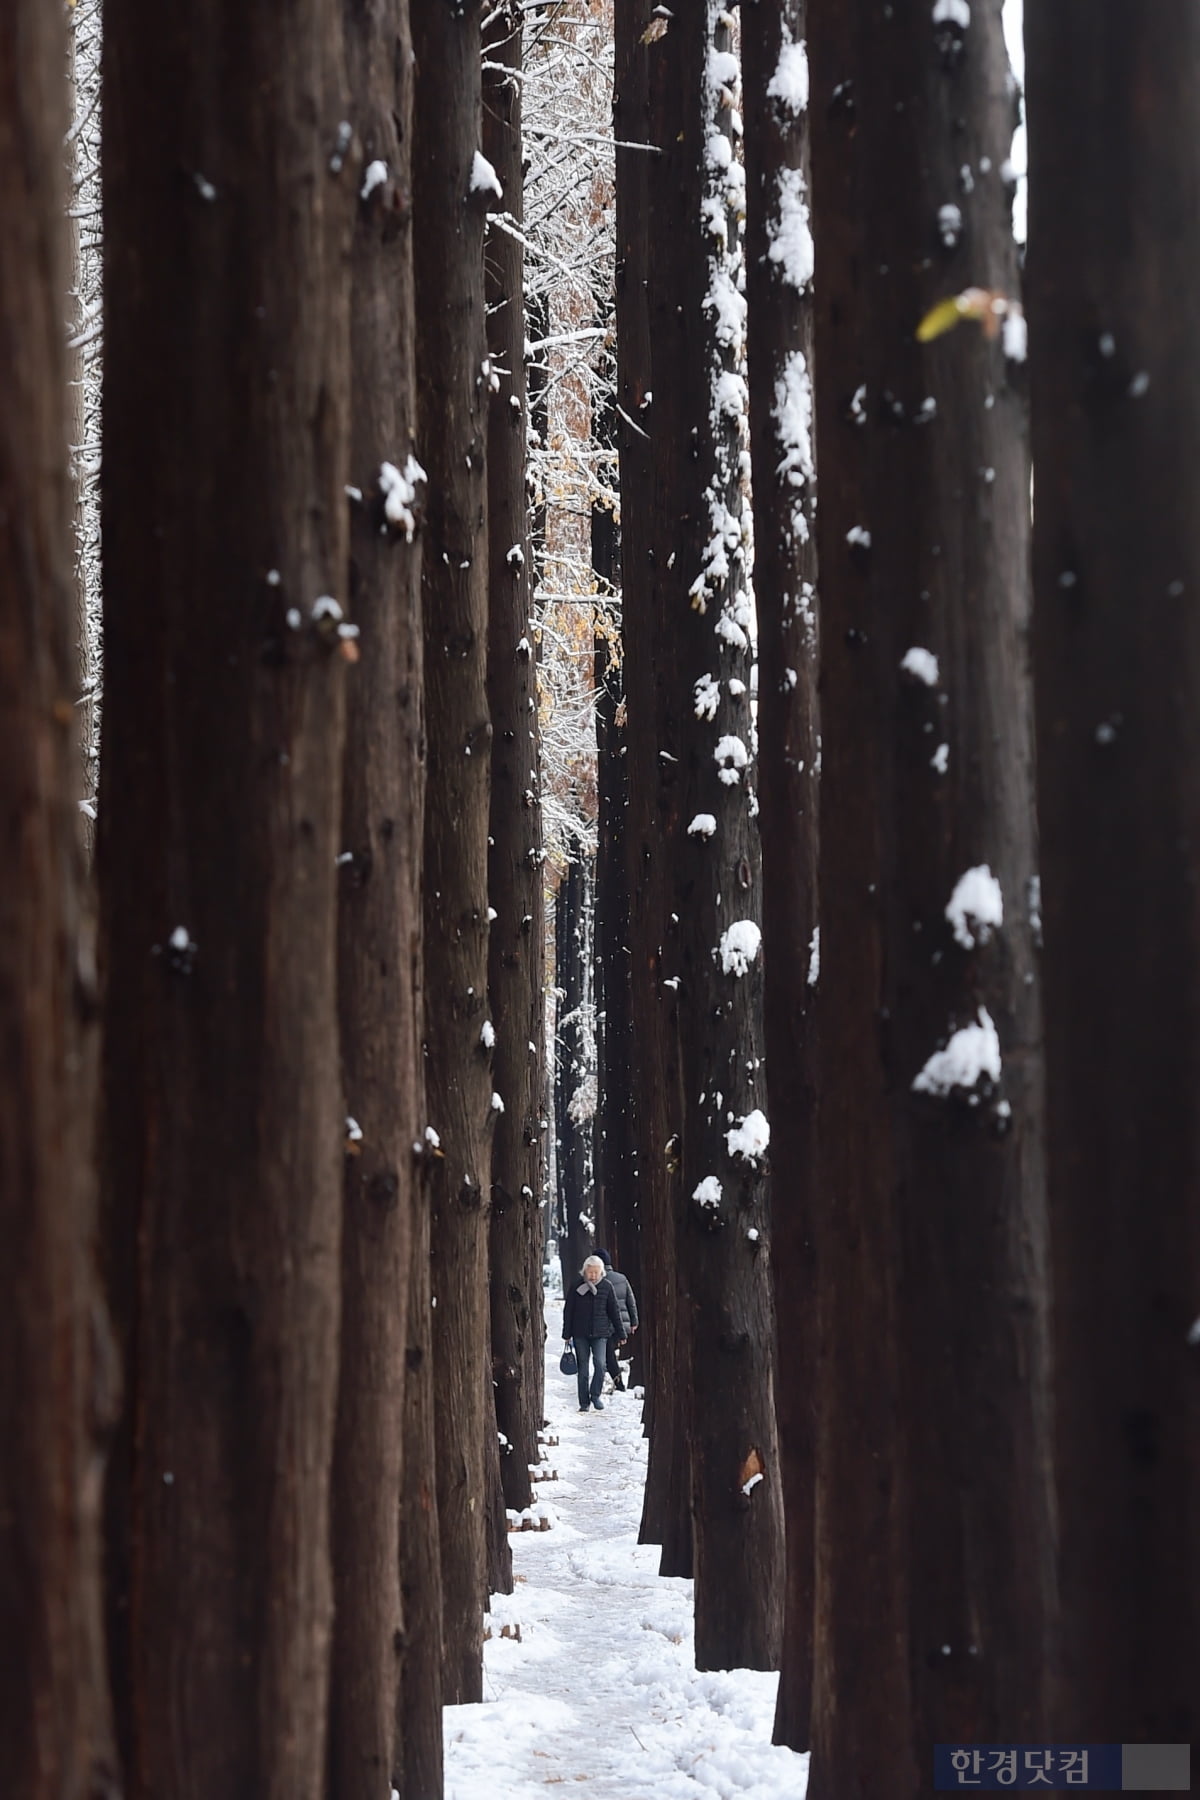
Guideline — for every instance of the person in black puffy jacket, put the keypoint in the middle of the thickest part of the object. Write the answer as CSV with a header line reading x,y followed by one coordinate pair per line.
x,y
590,1318
627,1307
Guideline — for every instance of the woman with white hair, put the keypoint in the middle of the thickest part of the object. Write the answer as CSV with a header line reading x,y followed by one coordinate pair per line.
x,y
590,1318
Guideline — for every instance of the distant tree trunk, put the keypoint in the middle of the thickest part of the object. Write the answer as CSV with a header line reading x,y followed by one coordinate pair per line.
x,y
779,347
655,797
934,1590
724,1272
229,198
417,1772
516,940
57,1391
379,921
451,193
576,1237
1114,107
613,1132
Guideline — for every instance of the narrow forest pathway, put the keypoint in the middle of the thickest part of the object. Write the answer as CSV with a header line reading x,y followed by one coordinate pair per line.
x,y
599,1695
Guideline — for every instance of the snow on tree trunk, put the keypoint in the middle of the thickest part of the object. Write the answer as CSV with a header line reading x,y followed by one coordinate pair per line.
x,y
453,187
577,1231
779,349
58,1389
1114,108
698,417
934,1599
654,827
516,942
379,919
229,196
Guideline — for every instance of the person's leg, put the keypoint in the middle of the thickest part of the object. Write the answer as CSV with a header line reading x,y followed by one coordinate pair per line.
x,y
581,1357
610,1357
597,1347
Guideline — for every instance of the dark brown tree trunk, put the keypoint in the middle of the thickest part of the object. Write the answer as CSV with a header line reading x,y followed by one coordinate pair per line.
x,y
1114,106
418,1747
516,939
229,195
379,918
576,1226
655,798
779,349
57,1390
724,1274
451,194
934,1511
613,1132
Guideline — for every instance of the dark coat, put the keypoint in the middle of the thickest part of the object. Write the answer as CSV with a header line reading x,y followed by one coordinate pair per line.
x,y
588,1315
626,1304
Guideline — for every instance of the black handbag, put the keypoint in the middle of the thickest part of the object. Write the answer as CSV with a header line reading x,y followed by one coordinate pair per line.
x,y
567,1362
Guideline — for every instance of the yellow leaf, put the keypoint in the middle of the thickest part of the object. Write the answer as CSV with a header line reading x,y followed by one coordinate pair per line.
x,y
939,319
657,28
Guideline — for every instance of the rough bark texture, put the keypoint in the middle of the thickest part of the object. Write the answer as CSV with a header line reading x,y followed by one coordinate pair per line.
x,y
229,195
449,214
613,1145
933,1522
576,1236
779,350
1114,106
379,917
516,940
418,1750
697,420
655,797
56,1373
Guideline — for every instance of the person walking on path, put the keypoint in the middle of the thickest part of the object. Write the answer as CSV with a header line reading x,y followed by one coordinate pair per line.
x,y
591,1318
627,1307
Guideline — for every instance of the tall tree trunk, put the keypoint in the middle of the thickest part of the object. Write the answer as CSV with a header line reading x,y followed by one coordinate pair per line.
x,y
418,1748
613,1131
229,194
724,1274
655,797
379,919
56,1392
1113,241
934,1578
779,350
451,192
516,941
576,1237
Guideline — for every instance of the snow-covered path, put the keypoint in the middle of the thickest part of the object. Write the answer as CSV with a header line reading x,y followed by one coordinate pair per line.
x,y
600,1693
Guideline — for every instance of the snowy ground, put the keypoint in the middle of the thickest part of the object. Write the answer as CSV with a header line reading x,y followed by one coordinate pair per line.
x,y
600,1692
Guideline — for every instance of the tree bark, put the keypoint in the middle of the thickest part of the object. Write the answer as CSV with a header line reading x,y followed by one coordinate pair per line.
x,y
229,196
451,195
779,352
516,949
379,918
613,1150
724,1276
934,1577
576,1236
417,1773
57,1392
655,798
1115,382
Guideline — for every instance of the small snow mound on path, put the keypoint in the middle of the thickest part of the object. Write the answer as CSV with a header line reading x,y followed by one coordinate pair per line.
x,y
600,1695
